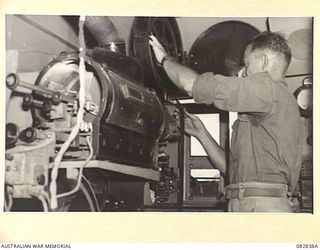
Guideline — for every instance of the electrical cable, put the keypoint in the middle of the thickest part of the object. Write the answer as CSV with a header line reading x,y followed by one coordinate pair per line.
x,y
268,24
80,114
42,196
8,205
45,195
5,205
88,139
8,202
46,31
93,193
181,156
43,202
89,200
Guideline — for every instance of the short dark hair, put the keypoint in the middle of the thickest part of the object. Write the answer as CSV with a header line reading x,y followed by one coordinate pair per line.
x,y
272,41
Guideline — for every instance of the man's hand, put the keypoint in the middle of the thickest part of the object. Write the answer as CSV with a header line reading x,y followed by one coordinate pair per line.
x,y
193,125
216,155
182,76
158,49
242,72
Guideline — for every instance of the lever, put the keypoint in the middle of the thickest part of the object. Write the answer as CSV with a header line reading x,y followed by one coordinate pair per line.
x,y
13,81
28,101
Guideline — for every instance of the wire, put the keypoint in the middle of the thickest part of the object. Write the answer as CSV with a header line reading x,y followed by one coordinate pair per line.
x,y
80,114
89,199
181,155
268,24
88,139
46,31
44,202
5,205
44,198
8,206
92,191
45,195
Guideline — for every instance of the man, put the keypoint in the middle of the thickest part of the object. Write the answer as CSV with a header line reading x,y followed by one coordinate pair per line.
x,y
266,144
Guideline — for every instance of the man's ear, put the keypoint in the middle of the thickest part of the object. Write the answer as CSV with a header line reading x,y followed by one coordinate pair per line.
x,y
264,61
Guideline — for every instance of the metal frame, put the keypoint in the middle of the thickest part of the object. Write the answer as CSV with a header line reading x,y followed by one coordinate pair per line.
x,y
137,171
188,160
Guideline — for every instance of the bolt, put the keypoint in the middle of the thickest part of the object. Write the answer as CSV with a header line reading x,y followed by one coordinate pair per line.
x,y
41,179
140,122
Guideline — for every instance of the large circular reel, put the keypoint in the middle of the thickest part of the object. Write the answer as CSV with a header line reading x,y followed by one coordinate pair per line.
x,y
220,48
167,32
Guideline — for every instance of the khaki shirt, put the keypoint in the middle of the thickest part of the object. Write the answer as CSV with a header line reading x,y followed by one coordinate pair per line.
x,y
266,143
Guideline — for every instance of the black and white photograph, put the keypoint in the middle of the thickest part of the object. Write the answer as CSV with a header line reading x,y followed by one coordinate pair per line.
x,y
158,114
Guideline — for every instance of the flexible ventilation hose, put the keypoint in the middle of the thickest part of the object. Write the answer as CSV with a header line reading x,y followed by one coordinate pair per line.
x,y
102,29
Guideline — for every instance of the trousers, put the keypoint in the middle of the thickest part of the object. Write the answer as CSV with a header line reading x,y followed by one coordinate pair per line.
x,y
260,204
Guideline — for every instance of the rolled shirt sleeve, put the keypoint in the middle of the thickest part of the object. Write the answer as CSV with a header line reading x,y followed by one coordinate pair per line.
x,y
250,94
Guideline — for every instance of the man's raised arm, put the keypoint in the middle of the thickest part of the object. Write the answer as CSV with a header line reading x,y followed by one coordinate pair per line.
x,y
180,75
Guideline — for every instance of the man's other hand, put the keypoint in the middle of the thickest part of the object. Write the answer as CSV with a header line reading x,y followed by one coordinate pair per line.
x,y
158,49
193,125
